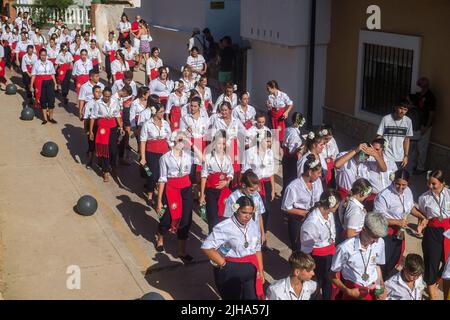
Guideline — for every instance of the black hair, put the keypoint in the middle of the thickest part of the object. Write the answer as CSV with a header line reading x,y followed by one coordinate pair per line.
x,y
128,90
324,201
249,178
310,160
260,114
153,50
142,91
195,49
380,141
196,99
297,118
30,47
83,50
243,93
107,89
311,142
245,201
225,103
328,128
42,50
95,88
128,75
93,72
402,174
273,84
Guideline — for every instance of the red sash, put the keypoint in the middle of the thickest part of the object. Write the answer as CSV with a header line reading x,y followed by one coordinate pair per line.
x,y
104,126
2,68
13,48
118,76
38,48
393,231
254,261
352,285
444,224
112,55
262,187
343,192
21,54
248,124
76,57
38,87
200,143
163,100
62,71
324,251
175,117
173,195
80,80
211,181
330,167
94,62
52,60
125,34
154,73
207,106
130,63
235,156
278,124
29,68
157,146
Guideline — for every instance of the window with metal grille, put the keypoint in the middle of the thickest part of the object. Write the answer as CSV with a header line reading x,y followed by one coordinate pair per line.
x,y
387,73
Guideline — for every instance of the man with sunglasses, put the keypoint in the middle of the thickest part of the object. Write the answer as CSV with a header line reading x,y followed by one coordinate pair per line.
x,y
358,259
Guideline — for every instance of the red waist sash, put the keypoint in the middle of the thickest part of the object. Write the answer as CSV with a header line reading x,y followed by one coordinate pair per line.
x,y
112,55
130,63
95,62
262,187
119,75
324,251
21,54
253,259
52,60
104,127
80,80
278,124
393,231
62,71
125,34
248,124
352,285
38,79
76,57
2,68
154,73
444,224
157,146
29,68
175,116
211,182
174,199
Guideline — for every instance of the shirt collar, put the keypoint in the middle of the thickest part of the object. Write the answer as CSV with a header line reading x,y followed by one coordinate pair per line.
x,y
356,202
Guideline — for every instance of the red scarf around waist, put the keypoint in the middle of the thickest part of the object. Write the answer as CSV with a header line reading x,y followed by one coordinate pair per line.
x,y
211,182
157,146
2,68
94,62
352,285
130,63
253,259
62,71
119,75
324,251
175,116
393,231
38,79
112,55
278,124
104,127
80,80
174,199
444,224
125,34
262,187
22,54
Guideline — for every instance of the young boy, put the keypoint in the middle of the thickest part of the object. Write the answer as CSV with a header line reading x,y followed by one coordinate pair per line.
x,y
408,283
298,286
88,108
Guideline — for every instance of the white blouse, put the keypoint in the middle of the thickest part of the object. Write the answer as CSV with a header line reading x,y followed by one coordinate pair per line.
x,y
198,126
316,232
394,205
135,111
173,167
242,116
52,53
281,100
212,164
350,172
82,68
352,216
301,164
28,61
434,206
331,150
64,58
292,139
150,131
43,68
161,89
298,196
94,54
263,166
175,101
233,101
116,66
110,46
153,65
102,110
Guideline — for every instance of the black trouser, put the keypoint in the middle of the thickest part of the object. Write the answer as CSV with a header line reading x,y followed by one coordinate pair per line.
x,y
108,163
289,170
433,253
186,216
47,99
236,281
26,80
65,85
96,68
322,271
294,228
267,204
126,139
212,209
108,67
393,250
8,60
152,160
91,143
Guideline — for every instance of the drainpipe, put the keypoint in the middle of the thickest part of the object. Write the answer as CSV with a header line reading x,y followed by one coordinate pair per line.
x,y
312,47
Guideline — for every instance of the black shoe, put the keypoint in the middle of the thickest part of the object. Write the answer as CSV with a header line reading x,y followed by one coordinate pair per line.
x,y
53,121
159,248
186,259
44,122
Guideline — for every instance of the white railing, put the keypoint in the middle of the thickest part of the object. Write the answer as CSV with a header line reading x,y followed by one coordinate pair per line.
x,y
72,16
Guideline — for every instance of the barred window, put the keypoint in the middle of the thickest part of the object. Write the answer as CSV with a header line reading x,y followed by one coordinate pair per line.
x,y
386,77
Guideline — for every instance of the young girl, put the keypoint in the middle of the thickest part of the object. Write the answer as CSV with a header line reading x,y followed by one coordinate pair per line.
x,y
144,38
64,63
130,54
318,237
153,63
119,66
124,28
300,196
228,96
330,152
314,145
279,105
259,128
174,103
245,112
162,86
76,47
94,55
187,79
205,93
217,172
52,51
28,61
138,105
109,50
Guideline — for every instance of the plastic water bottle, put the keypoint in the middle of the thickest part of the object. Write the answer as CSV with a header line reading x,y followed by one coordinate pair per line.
x,y
223,251
147,171
378,288
202,212
161,213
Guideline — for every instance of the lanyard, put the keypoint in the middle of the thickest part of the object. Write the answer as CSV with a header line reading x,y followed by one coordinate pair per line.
x,y
159,130
402,201
244,233
438,202
220,167
330,234
179,165
44,65
366,265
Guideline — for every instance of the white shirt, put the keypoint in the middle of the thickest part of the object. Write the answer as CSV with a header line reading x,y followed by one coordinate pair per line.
x,y
124,26
257,200
331,150
252,133
242,116
43,68
198,126
116,67
316,232
129,55
110,46
206,97
262,165
301,164
89,108
86,93
135,110
350,259
175,101
212,164
378,179
298,196
233,101
76,50
161,89
82,68
102,110
281,100
64,58
282,290
233,129
28,61
145,116
395,132
397,289
172,167
119,84
52,53
428,204
230,233
150,131
394,205
196,63
94,54
188,85
292,139
350,172
152,64
352,216
22,46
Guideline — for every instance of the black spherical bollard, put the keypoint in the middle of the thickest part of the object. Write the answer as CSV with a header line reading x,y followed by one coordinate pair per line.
x,y
11,89
50,149
152,296
27,114
86,206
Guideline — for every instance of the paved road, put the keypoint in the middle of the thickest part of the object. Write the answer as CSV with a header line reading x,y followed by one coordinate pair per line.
x,y
41,235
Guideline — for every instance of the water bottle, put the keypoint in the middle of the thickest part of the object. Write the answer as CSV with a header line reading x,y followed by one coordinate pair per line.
x,y
378,288
202,212
161,213
147,171
223,251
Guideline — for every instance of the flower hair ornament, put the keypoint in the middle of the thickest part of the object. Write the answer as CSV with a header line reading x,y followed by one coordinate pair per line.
x,y
167,70
323,132
235,207
385,145
332,201
153,110
311,135
302,122
235,87
177,85
172,139
429,174
392,176
367,191
197,77
314,164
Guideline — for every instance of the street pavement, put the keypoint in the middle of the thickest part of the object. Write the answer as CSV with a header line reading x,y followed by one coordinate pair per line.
x,y
41,235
